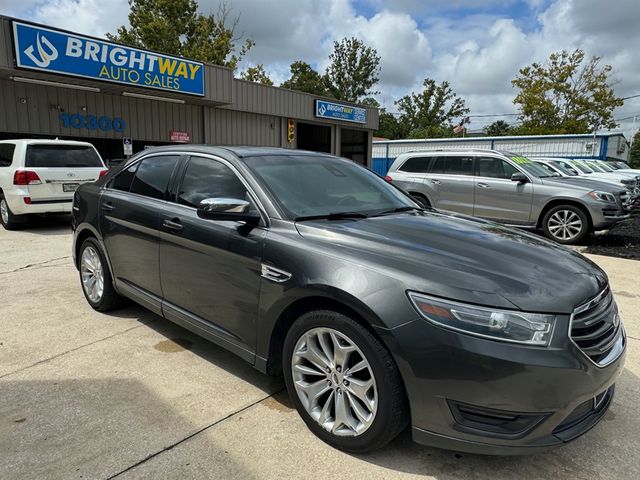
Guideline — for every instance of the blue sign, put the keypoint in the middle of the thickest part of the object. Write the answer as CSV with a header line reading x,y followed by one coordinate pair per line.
x,y
47,50
337,111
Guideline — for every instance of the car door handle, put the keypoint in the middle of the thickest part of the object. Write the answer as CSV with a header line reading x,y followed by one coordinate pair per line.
x,y
483,185
435,181
173,225
107,207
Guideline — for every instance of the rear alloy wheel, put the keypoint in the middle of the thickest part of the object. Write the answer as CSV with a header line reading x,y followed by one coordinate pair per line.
x,y
95,277
343,382
566,224
7,218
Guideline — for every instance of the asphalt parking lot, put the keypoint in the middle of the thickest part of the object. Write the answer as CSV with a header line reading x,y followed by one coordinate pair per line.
x,y
130,395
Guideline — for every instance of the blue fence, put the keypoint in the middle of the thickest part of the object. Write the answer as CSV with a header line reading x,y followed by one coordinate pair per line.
x,y
381,165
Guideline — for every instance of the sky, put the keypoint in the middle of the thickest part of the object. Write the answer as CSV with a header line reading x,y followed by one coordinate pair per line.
x,y
478,46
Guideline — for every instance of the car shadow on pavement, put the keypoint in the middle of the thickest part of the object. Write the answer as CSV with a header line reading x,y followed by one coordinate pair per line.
x,y
48,225
608,451
180,339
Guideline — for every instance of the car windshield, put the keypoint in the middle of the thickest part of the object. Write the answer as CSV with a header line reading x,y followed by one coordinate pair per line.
x,y
606,167
581,166
595,167
529,166
563,168
548,168
322,186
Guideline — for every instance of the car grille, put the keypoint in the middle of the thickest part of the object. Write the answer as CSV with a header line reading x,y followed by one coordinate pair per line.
x,y
625,202
596,330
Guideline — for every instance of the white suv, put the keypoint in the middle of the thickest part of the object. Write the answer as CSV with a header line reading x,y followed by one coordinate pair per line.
x,y
41,176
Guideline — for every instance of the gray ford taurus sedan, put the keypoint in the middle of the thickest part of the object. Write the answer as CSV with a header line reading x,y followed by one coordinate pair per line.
x,y
379,313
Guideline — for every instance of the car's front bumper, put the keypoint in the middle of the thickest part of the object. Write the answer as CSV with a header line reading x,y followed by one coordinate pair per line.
x,y
604,219
522,399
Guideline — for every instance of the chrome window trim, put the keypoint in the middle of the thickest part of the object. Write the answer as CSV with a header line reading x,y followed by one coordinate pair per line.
x,y
179,153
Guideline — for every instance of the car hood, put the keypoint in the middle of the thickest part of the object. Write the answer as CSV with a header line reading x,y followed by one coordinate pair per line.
x,y
608,185
463,258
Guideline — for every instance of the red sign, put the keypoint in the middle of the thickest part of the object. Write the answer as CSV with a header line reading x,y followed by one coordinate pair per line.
x,y
179,137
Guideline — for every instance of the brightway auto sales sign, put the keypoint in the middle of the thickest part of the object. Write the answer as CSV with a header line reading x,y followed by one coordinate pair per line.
x,y
49,50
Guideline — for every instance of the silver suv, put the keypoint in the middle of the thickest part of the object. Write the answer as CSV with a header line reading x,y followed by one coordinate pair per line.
x,y
509,189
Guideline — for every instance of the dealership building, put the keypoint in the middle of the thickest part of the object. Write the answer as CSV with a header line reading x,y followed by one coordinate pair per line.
x,y
55,83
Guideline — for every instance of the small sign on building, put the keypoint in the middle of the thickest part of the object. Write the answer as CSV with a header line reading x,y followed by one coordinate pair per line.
x,y
176,136
127,145
339,111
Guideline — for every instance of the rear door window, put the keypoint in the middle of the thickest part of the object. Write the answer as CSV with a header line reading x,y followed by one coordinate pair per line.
x,y
415,165
152,177
453,165
62,156
6,154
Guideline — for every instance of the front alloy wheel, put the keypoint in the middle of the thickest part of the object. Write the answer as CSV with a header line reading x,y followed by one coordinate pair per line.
x,y
334,382
343,381
566,224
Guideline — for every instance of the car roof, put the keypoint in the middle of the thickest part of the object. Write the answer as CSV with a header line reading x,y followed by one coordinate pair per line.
x,y
453,151
45,141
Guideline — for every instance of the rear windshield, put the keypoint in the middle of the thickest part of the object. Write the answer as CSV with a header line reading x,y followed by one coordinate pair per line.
x,y
63,156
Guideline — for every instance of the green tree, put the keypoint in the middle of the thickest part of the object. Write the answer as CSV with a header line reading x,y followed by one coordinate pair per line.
x,y
175,27
389,126
256,74
353,70
634,151
305,79
568,94
497,128
431,112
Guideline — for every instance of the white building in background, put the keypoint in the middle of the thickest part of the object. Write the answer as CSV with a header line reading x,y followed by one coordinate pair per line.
x,y
613,146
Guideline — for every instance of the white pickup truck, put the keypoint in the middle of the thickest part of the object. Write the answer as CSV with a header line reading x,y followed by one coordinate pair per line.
x,y
41,176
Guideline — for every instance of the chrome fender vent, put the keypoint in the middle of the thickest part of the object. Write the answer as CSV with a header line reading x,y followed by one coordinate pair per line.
x,y
274,274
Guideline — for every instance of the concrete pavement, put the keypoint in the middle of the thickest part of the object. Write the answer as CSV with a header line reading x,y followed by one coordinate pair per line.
x,y
129,395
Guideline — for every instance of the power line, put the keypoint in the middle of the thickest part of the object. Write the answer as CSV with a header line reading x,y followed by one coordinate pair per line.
x,y
632,96
493,115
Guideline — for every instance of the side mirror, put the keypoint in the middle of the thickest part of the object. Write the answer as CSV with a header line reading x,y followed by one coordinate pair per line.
x,y
519,177
227,209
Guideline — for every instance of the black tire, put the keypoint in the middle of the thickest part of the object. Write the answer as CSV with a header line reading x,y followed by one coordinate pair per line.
x,y
421,200
110,298
11,221
549,224
392,413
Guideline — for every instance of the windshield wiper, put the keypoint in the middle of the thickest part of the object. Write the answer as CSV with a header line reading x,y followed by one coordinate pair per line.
x,y
332,216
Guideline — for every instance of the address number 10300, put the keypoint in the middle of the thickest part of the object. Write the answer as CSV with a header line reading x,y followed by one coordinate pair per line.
x,y
91,122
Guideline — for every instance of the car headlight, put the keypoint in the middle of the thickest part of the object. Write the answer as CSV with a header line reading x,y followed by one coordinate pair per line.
x,y
496,324
603,196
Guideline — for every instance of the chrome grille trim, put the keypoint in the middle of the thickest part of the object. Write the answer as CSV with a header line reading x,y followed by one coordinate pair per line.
x,y
595,329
